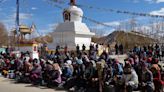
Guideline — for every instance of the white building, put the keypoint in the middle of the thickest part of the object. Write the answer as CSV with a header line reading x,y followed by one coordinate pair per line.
x,y
72,31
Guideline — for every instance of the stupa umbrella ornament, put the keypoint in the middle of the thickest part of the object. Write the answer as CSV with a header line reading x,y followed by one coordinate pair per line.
x,y
33,27
72,2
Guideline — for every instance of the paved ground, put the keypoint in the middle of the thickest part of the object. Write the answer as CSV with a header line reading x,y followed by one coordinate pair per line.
x,y
7,85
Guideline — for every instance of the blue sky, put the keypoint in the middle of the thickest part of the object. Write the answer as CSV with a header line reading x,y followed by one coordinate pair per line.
x,y
46,17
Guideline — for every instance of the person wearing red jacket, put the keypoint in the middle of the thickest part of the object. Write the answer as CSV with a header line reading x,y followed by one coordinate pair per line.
x,y
162,77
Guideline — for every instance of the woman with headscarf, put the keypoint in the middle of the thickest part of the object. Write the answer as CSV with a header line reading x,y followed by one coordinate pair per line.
x,y
67,70
117,75
117,68
157,77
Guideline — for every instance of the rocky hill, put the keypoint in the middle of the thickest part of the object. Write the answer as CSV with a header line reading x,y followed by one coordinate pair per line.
x,y
128,39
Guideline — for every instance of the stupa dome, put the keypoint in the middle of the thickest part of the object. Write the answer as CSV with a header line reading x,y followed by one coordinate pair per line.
x,y
73,13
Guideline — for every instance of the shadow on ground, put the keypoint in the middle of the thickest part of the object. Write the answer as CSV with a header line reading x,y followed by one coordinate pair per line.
x,y
12,81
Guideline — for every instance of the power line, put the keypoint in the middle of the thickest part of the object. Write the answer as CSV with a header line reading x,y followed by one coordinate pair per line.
x,y
84,17
58,3
2,1
114,10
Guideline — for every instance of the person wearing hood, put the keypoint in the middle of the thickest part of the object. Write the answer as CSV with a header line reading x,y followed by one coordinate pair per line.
x,y
130,78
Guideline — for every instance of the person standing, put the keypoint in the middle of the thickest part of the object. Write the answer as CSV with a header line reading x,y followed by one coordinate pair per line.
x,y
57,48
158,52
116,49
97,49
77,49
83,47
121,49
162,49
108,48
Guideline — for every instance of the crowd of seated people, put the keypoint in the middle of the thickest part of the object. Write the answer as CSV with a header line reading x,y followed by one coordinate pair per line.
x,y
82,71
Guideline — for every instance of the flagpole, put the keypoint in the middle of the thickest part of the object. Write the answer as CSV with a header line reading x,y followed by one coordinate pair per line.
x,y
17,22
17,14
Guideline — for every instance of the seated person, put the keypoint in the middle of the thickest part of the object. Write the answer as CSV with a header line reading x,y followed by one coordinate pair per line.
x,y
130,78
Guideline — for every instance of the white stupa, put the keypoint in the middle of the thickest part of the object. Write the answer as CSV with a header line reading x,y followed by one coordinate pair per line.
x,y
72,32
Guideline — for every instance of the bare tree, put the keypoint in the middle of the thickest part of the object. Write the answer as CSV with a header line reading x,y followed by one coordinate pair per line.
x,y
133,24
99,33
3,35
